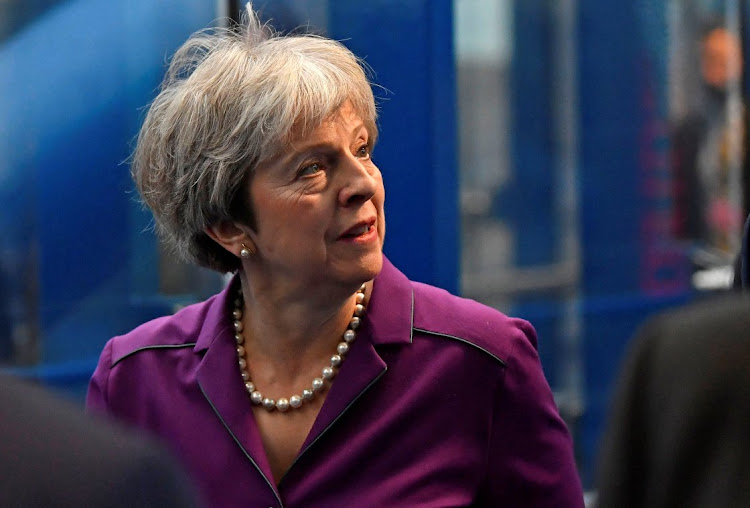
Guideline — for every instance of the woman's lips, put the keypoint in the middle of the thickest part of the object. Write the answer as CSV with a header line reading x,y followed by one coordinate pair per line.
x,y
360,232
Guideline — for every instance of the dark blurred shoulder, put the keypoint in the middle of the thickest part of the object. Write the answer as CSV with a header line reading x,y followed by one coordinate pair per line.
x,y
54,454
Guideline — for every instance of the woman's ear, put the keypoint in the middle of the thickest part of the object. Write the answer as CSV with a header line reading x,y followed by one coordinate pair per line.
x,y
233,237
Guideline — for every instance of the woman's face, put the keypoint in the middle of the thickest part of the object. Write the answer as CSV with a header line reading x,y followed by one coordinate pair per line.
x,y
319,206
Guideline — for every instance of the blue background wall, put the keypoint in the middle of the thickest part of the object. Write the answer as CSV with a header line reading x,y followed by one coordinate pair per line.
x,y
73,82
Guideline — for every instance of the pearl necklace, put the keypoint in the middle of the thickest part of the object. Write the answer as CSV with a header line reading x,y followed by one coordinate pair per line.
x,y
319,383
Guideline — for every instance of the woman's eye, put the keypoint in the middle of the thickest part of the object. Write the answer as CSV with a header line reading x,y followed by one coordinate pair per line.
x,y
364,152
310,169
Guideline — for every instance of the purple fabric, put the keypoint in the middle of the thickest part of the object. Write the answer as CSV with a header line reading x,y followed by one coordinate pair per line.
x,y
441,402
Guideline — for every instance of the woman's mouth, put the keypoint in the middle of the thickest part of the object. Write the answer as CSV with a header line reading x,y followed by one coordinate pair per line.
x,y
360,231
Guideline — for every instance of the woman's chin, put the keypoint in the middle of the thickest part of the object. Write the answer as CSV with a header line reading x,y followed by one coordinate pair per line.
x,y
374,264
365,269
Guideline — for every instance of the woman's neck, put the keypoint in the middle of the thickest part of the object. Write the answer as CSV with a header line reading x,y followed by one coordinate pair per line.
x,y
288,332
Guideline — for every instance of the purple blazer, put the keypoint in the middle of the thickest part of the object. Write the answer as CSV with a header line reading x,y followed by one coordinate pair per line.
x,y
441,402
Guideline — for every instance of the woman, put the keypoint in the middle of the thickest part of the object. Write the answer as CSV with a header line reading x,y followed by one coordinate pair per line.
x,y
321,376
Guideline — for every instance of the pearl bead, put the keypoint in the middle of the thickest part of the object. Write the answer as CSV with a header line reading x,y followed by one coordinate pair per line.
x,y
245,375
360,298
250,387
317,384
269,403
363,288
307,394
282,404
335,361
328,373
237,314
349,336
342,348
354,323
359,309
240,351
238,326
256,397
243,363
239,338
295,401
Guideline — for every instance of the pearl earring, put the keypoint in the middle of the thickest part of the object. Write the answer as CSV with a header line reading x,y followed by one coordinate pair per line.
x,y
245,252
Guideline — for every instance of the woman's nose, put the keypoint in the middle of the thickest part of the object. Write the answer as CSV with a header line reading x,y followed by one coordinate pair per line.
x,y
360,181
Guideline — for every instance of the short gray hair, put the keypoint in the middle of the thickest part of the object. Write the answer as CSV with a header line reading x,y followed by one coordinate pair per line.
x,y
230,99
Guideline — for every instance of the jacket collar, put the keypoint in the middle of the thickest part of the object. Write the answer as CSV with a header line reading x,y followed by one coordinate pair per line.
x,y
390,311
216,323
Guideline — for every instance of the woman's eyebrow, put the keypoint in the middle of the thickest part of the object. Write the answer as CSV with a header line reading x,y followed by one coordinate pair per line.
x,y
357,128
322,146
299,151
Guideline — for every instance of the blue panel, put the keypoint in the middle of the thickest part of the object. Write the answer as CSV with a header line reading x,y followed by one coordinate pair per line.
x,y
528,203
610,120
409,44
72,85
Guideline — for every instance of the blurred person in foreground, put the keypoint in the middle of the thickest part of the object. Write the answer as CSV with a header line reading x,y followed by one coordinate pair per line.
x,y
52,454
321,376
678,431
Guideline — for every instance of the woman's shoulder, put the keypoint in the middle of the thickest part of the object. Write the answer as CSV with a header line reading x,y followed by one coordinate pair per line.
x,y
183,329
438,312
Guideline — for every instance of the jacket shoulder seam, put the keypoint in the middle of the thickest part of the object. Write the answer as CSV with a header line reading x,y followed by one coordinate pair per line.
x,y
460,339
156,346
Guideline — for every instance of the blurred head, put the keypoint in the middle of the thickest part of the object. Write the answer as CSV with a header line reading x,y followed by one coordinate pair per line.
x,y
721,58
230,101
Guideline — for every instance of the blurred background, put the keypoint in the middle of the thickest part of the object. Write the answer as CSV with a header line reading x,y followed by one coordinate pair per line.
x,y
578,163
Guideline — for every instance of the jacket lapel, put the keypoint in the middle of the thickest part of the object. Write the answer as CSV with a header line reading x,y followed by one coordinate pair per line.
x,y
361,369
219,379
388,321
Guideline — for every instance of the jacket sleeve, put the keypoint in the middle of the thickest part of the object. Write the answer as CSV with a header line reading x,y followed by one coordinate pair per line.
x,y
96,398
531,460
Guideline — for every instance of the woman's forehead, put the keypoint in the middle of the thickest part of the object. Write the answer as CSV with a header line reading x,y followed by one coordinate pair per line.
x,y
345,120
305,133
